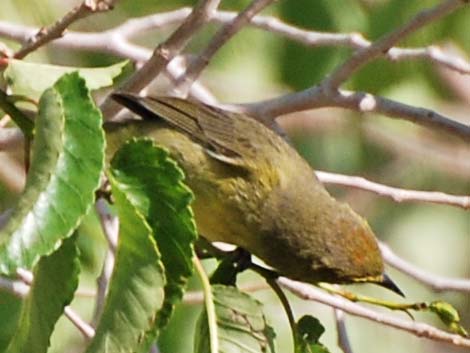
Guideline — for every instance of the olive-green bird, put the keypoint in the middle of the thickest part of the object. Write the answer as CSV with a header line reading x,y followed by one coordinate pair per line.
x,y
253,190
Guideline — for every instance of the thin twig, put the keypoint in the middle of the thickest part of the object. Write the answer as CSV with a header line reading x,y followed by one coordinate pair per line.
x,y
343,340
435,282
222,36
351,40
363,56
21,289
419,329
110,227
17,288
164,53
47,34
396,194
87,330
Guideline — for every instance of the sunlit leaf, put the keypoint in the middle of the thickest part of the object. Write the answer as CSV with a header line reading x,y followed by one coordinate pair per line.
x,y
154,185
32,79
67,158
136,291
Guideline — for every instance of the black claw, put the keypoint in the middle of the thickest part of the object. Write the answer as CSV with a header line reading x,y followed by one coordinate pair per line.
x,y
389,284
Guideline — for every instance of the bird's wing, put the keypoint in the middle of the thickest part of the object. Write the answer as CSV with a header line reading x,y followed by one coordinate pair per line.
x,y
212,128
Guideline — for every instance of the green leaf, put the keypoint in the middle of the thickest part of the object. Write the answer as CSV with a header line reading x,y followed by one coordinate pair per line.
x,y
136,288
32,79
309,331
55,281
449,316
67,159
241,324
10,309
154,185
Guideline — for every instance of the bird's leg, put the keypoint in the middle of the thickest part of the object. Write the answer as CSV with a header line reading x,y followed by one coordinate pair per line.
x,y
405,307
235,262
232,262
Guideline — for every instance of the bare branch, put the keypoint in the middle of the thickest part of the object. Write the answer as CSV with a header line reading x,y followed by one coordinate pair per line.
x,y
317,97
396,194
351,40
111,42
17,288
164,53
419,329
87,331
47,34
110,227
218,40
343,340
21,289
361,57
137,26
437,283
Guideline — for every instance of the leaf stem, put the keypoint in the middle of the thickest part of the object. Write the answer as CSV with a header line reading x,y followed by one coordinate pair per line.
x,y
271,279
209,304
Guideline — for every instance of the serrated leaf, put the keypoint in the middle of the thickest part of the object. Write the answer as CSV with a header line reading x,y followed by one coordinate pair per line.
x,y
67,159
136,288
32,79
154,185
309,330
241,324
55,281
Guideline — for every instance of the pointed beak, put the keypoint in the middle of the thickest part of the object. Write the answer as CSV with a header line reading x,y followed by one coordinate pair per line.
x,y
389,284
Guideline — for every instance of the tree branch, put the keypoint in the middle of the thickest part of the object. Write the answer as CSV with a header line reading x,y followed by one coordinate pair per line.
x,y
361,57
21,289
164,53
317,97
47,34
136,26
419,329
222,36
396,194
351,40
343,340
87,331
110,228
112,42
437,283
